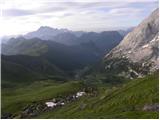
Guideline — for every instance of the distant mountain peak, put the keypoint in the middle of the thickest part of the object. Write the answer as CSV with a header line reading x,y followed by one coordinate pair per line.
x,y
46,27
45,33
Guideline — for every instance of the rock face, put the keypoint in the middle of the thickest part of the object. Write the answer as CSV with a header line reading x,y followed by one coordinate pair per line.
x,y
141,45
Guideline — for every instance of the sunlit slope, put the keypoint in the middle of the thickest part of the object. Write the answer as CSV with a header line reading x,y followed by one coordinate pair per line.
x,y
124,102
14,100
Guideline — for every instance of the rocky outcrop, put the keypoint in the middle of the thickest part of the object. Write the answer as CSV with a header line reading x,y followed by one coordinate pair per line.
x,y
151,107
38,107
141,46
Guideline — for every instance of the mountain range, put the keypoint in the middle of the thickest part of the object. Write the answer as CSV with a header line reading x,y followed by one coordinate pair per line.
x,y
47,33
117,72
65,52
90,47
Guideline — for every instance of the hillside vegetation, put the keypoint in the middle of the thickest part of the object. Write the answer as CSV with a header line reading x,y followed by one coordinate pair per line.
x,y
125,101
14,100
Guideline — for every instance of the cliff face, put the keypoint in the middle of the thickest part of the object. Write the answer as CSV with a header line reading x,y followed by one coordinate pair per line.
x,y
141,45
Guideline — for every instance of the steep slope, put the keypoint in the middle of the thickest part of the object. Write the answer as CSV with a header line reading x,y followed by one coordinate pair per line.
x,y
14,74
65,57
139,49
22,46
77,53
20,69
125,32
69,37
66,38
104,41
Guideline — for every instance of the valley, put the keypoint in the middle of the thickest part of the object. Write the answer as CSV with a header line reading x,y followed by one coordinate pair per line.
x,y
55,73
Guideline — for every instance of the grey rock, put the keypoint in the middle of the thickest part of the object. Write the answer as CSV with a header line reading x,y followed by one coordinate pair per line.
x,y
140,45
6,116
151,107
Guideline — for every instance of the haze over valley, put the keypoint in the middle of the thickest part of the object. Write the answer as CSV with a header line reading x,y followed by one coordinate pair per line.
x,y
80,60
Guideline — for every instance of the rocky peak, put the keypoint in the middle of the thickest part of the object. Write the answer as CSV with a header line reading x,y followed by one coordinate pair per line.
x,y
141,45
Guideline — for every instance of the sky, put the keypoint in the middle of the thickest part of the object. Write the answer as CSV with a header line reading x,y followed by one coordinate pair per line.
x,y
22,16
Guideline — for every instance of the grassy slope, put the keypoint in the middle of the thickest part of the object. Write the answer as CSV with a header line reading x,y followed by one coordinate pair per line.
x,y
33,47
20,69
124,102
15,100
15,74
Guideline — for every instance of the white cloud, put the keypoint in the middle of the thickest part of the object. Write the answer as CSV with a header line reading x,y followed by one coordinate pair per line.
x,y
125,11
21,16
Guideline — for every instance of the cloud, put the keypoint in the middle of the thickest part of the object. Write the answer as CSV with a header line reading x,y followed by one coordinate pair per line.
x,y
16,12
125,11
90,15
30,7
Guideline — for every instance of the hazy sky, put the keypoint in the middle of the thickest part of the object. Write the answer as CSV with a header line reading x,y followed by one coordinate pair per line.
x,y
21,16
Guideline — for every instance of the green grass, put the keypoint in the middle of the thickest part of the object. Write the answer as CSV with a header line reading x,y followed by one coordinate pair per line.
x,y
14,100
123,102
